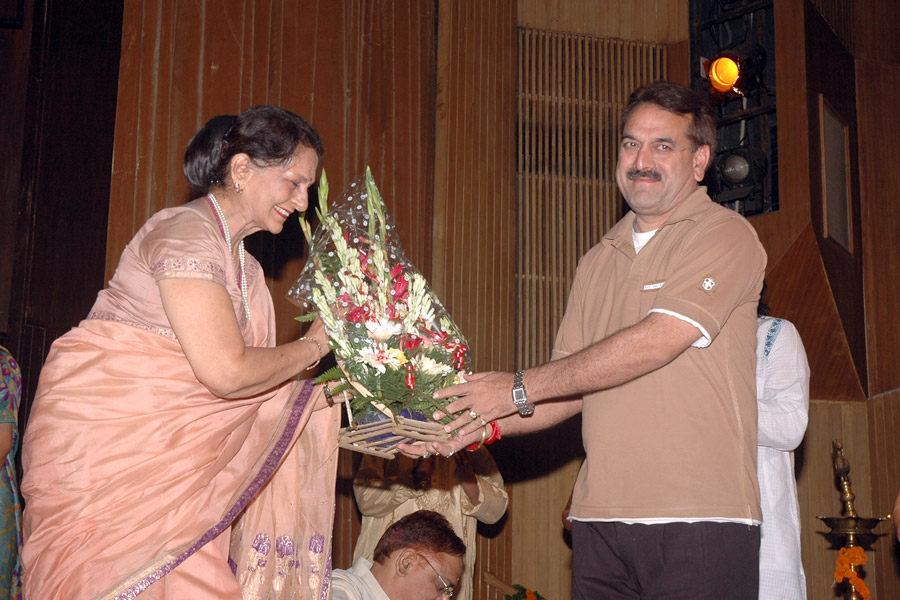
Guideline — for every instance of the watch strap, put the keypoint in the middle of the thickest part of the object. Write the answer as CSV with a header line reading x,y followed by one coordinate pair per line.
x,y
519,396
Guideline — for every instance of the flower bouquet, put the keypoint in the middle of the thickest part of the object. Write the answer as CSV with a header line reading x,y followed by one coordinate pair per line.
x,y
394,341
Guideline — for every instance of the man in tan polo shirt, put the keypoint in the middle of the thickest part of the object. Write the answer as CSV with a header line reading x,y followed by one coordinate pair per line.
x,y
657,351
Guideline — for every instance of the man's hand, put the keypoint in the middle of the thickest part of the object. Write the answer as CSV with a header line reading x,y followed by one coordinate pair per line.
x,y
483,398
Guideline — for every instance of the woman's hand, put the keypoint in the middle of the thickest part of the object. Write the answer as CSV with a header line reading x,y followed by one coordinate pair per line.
x,y
445,448
317,337
317,331
325,399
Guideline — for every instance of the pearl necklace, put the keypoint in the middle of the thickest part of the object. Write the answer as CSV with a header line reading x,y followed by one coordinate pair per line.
x,y
223,224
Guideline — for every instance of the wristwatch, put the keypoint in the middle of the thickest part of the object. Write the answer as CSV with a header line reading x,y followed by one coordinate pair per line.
x,y
520,398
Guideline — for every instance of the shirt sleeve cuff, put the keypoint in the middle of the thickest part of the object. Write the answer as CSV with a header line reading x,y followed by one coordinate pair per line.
x,y
703,341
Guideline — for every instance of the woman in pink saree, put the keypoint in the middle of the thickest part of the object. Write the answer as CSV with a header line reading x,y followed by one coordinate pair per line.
x,y
171,451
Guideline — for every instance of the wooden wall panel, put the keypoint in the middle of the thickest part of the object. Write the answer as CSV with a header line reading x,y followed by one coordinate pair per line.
x,y
877,51
778,230
877,84
678,57
799,291
658,21
474,201
839,16
884,450
875,30
361,71
830,81
15,45
474,262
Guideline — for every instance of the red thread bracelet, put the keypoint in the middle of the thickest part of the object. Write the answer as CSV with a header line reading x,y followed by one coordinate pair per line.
x,y
495,433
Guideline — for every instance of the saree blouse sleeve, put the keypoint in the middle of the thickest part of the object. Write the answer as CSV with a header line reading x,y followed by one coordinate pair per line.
x,y
175,242
184,246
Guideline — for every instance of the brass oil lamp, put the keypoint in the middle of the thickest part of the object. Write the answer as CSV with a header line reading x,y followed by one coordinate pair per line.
x,y
851,526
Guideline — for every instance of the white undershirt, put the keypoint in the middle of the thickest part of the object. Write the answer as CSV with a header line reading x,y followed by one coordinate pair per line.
x,y
640,238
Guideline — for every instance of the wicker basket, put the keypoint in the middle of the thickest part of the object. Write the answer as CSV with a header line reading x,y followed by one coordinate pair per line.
x,y
382,437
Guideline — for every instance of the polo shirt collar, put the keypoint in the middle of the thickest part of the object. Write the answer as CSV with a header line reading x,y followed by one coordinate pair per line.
x,y
619,236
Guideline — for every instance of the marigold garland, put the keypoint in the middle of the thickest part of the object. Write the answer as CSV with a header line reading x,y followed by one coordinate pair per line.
x,y
848,558
523,593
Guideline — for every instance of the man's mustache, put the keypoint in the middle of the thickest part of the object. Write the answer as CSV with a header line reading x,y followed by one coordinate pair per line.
x,y
644,173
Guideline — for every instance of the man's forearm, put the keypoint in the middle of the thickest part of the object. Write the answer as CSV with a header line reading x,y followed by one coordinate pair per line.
x,y
551,413
621,357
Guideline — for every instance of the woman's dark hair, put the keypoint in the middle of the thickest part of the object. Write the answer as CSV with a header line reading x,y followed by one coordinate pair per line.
x,y
682,101
423,531
269,135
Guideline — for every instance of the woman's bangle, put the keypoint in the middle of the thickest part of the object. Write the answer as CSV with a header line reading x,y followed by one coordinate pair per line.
x,y
319,351
476,445
495,433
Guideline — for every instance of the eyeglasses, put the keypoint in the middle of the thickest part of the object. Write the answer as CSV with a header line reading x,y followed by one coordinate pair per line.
x,y
446,589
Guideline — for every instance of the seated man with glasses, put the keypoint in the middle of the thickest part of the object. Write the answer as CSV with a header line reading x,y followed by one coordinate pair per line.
x,y
418,558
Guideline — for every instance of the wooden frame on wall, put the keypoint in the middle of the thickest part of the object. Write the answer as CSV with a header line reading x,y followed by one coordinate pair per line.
x,y
834,142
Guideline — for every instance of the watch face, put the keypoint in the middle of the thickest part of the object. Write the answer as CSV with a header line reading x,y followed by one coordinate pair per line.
x,y
519,397
521,401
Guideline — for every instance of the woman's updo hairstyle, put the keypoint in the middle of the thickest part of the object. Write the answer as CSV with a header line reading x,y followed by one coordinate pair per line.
x,y
269,135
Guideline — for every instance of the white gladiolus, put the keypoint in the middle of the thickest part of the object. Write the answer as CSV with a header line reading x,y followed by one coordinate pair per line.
x,y
382,329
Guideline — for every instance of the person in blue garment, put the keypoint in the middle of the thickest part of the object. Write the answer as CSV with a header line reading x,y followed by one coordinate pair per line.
x,y
10,506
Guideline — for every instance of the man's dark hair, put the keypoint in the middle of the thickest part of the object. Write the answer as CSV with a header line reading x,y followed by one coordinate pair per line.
x,y
680,100
423,531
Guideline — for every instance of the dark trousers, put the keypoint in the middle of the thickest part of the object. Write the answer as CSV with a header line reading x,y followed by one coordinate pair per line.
x,y
672,561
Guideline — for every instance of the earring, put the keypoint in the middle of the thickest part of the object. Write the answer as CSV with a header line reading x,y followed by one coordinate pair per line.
x,y
238,188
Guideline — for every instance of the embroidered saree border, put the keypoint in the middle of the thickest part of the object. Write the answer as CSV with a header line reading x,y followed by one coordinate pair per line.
x,y
134,585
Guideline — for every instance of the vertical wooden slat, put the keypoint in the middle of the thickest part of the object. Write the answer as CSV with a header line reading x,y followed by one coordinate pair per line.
x,y
659,21
883,418
473,260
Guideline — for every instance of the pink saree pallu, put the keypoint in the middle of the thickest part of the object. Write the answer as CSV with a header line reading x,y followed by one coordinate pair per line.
x,y
141,483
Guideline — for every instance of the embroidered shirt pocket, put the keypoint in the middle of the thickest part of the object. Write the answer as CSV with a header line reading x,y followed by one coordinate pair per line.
x,y
708,284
